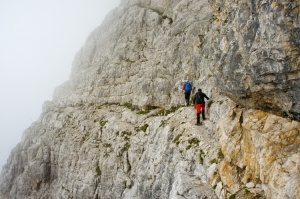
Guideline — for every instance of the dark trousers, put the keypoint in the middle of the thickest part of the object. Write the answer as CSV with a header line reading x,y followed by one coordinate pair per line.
x,y
187,95
203,114
198,118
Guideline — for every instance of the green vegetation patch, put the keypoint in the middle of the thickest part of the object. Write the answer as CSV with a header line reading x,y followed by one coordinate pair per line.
x,y
176,139
126,138
106,155
130,106
247,191
142,128
220,155
219,158
124,133
164,112
213,161
209,103
143,112
98,171
162,123
103,122
107,145
194,141
201,39
161,112
201,156
233,196
127,146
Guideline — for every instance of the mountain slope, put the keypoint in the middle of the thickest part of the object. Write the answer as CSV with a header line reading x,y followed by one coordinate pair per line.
x,y
117,128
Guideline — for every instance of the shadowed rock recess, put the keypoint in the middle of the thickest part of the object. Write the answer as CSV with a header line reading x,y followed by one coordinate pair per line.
x,y
117,127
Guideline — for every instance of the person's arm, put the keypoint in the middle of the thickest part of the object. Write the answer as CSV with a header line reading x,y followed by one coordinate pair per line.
x,y
206,97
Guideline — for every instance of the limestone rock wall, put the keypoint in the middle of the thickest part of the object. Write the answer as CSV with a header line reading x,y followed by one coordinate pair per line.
x,y
117,128
110,151
260,150
141,54
114,151
248,49
256,55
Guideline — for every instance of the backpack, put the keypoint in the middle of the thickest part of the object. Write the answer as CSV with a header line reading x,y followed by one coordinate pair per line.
x,y
187,86
198,99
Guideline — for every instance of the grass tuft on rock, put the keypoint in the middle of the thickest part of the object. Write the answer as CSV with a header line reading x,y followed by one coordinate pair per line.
x,y
103,122
165,112
98,171
220,155
143,112
194,141
176,139
127,146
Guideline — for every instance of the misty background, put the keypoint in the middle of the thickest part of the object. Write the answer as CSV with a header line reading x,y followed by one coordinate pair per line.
x,y
38,41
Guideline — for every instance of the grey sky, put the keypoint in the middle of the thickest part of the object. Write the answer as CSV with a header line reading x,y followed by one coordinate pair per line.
x,y
38,41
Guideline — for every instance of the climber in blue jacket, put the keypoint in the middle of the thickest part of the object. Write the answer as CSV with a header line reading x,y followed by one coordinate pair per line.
x,y
187,87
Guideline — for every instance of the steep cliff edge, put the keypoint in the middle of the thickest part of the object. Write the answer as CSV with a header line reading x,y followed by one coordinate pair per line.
x,y
116,129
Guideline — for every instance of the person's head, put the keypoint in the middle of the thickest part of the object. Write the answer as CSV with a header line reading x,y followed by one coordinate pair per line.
x,y
199,90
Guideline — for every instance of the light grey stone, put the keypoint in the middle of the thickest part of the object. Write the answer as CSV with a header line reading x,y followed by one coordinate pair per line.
x,y
110,130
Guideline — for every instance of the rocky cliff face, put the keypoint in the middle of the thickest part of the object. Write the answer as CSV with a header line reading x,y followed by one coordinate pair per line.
x,y
116,129
257,59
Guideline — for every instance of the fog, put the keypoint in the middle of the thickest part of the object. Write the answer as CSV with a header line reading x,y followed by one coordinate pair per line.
x,y
38,41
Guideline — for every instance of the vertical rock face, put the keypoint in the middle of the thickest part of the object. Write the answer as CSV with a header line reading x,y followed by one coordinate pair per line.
x,y
257,58
140,54
116,128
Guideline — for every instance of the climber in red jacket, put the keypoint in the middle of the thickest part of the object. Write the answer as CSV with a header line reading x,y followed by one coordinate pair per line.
x,y
199,102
